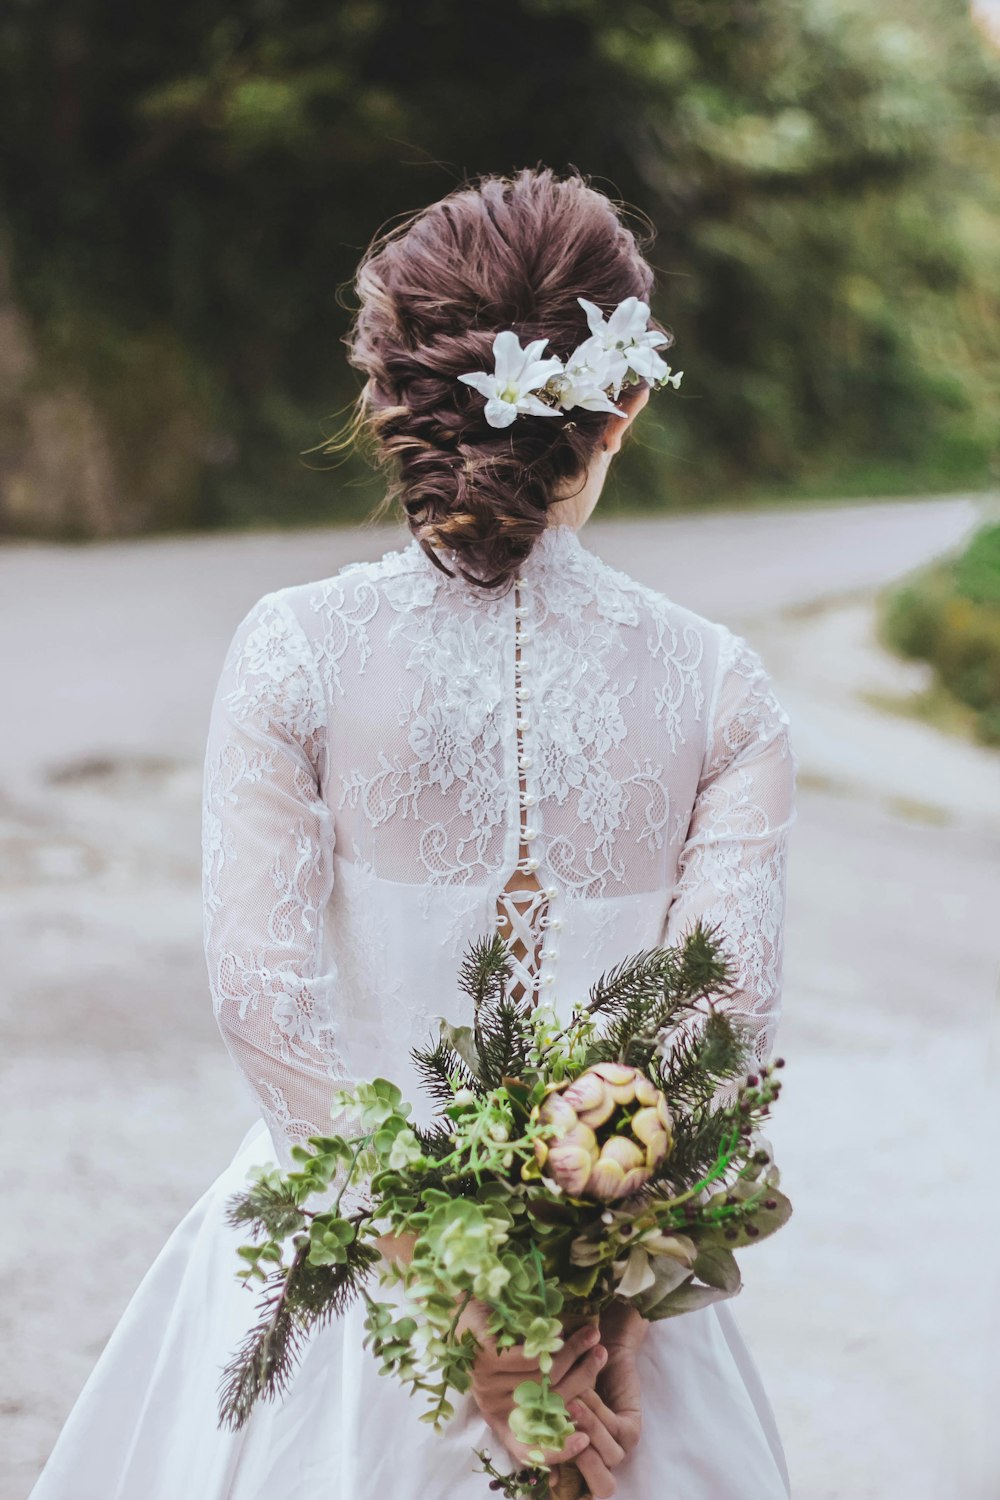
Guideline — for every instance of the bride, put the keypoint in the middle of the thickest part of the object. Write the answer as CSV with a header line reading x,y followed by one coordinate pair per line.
x,y
489,727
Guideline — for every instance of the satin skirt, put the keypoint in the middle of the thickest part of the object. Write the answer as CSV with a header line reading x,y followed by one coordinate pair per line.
x,y
145,1426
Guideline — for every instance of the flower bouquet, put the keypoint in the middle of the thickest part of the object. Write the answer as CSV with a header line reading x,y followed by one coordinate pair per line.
x,y
617,1155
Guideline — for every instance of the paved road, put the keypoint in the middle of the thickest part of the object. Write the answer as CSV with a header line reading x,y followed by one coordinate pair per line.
x,y
118,645
871,1316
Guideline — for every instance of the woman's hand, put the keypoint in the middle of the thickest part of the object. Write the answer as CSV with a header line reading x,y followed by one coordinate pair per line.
x,y
396,1247
611,1414
598,1381
497,1373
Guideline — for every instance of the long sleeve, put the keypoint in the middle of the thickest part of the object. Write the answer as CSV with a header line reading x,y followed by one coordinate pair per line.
x,y
732,868
267,875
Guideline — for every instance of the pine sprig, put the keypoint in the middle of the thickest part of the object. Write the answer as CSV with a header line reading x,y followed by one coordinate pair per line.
x,y
698,1139
438,1065
270,1208
485,970
699,1063
296,1299
435,1140
635,979
503,1036
704,967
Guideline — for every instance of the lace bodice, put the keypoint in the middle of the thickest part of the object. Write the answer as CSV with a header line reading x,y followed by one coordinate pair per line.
x,y
396,763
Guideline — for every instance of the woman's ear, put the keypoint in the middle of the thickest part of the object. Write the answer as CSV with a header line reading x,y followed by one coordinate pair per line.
x,y
633,402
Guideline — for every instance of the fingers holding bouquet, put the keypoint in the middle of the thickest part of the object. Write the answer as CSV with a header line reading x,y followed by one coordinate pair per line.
x,y
497,1373
594,1447
575,1172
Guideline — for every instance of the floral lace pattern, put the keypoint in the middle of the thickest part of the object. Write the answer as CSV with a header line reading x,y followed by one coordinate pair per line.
x,y
379,723
732,870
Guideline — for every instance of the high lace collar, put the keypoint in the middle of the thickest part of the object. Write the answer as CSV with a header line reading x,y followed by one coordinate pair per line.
x,y
556,544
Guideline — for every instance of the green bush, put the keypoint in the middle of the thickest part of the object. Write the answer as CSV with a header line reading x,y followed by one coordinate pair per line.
x,y
949,615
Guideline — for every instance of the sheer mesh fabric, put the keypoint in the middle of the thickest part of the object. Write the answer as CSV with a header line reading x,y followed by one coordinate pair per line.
x,y
391,754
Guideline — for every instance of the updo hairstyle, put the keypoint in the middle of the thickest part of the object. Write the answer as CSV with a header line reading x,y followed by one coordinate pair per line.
x,y
497,252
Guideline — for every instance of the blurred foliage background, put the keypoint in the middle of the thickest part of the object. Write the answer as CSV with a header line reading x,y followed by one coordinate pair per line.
x,y
187,188
948,614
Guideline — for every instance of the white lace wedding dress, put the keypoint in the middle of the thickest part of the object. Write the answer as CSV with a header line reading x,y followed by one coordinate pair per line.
x,y
395,765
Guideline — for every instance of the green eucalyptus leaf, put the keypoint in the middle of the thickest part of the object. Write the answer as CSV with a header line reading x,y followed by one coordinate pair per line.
x,y
580,1282
716,1265
765,1220
684,1299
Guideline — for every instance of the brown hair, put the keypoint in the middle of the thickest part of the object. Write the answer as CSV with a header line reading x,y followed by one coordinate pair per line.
x,y
497,252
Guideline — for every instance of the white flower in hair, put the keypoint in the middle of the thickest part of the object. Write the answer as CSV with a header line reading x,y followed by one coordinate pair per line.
x,y
618,347
584,381
517,374
626,341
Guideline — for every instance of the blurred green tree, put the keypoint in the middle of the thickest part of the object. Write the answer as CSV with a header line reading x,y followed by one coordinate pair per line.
x,y
187,189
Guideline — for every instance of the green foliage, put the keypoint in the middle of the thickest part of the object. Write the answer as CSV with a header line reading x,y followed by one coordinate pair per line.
x,y
650,992
330,1238
977,570
824,179
298,1299
948,614
539,1419
701,1062
442,1070
488,1222
271,1206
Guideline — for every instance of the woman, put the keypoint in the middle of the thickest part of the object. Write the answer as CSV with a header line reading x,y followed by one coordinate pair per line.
x,y
487,727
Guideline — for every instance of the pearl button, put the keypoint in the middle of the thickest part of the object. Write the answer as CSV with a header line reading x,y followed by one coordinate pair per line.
x,y
556,922
522,636
531,864
550,891
531,833
525,762
522,692
528,799
549,979
523,724
552,955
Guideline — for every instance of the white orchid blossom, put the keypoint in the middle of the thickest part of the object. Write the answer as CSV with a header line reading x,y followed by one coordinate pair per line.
x,y
517,374
590,378
584,381
626,341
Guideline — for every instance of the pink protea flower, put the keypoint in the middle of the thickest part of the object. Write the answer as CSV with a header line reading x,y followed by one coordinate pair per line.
x,y
592,1155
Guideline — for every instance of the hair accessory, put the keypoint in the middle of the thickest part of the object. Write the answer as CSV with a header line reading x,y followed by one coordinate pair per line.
x,y
621,350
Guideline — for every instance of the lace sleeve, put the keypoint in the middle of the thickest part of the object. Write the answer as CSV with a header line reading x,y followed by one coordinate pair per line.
x,y
733,864
267,845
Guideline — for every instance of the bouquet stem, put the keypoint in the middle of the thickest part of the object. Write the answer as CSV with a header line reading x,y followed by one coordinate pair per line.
x,y
565,1480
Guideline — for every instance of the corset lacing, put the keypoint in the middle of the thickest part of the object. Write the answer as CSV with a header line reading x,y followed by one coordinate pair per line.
x,y
523,905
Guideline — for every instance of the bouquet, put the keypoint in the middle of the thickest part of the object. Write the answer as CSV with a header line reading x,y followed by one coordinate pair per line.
x,y
566,1165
